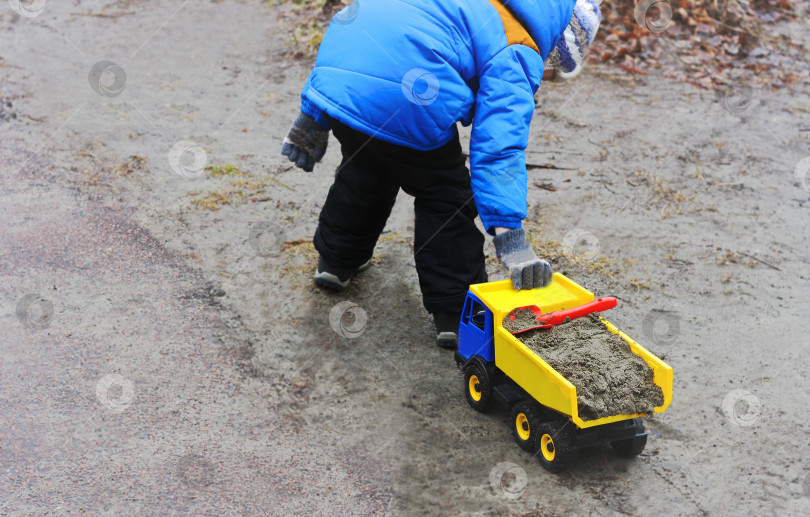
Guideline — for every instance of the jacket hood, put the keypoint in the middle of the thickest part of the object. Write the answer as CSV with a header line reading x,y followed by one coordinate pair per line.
x,y
544,20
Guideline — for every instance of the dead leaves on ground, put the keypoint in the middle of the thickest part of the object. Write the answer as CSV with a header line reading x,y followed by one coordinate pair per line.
x,y
707,43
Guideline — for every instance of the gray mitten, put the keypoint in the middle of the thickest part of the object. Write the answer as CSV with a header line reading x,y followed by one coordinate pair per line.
x,y
527,271
306,142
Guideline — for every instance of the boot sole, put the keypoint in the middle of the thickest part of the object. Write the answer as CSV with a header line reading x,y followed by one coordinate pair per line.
x,y
448,340
330,281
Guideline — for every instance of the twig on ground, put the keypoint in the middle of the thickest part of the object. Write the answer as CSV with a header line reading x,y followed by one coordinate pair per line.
x,y
752,258
35,119
545,186
546,166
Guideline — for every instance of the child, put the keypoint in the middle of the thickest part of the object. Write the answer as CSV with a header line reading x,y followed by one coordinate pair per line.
x,y
391,80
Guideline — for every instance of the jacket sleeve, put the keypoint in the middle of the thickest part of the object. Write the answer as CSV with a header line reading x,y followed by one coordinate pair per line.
x,y
503,111
309,108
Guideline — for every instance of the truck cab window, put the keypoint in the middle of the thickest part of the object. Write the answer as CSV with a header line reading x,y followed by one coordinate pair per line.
x,y
479,315
465,314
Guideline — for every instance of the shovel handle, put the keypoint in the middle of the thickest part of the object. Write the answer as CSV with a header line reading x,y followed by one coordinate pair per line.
x,y
557,317
550,319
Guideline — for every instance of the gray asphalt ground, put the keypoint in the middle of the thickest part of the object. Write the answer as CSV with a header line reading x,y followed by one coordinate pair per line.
x,y
124,390
164,352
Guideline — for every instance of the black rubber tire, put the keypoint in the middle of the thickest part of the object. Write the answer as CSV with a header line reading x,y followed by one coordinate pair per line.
x,y
558,454
531,422
483,388
631,447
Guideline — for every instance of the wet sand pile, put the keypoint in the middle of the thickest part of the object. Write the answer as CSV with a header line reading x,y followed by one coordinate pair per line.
x,y
610,379
524,319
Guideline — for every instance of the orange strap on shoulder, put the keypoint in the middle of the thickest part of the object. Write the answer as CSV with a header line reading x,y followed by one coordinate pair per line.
x,y
515,33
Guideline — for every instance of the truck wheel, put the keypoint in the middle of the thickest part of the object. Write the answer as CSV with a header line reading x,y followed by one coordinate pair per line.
x,y
632,447
477,387
554,450
525,425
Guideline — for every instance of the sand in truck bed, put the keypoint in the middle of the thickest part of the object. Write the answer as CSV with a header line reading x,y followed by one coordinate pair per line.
x,y
610,379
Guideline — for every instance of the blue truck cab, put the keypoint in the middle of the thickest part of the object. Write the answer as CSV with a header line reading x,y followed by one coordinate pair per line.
x,y
476,330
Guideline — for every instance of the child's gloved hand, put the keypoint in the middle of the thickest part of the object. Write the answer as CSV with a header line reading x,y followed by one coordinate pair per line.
x,y
527,271
306,142
567,55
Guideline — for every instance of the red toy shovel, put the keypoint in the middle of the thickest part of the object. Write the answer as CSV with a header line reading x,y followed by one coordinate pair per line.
x,y
555,318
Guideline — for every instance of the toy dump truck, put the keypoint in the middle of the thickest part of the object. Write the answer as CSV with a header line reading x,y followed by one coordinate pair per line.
x,y
499,369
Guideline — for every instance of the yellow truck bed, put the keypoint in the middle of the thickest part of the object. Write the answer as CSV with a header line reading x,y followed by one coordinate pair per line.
x,y
529,370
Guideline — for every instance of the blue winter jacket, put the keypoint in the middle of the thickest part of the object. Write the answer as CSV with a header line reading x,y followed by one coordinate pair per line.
x,y
405,71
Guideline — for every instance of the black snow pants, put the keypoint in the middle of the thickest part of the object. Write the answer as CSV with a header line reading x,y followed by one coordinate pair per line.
x,y
448,247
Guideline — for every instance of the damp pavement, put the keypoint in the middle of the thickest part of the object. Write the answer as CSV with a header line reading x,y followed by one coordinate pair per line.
x,y
124,391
